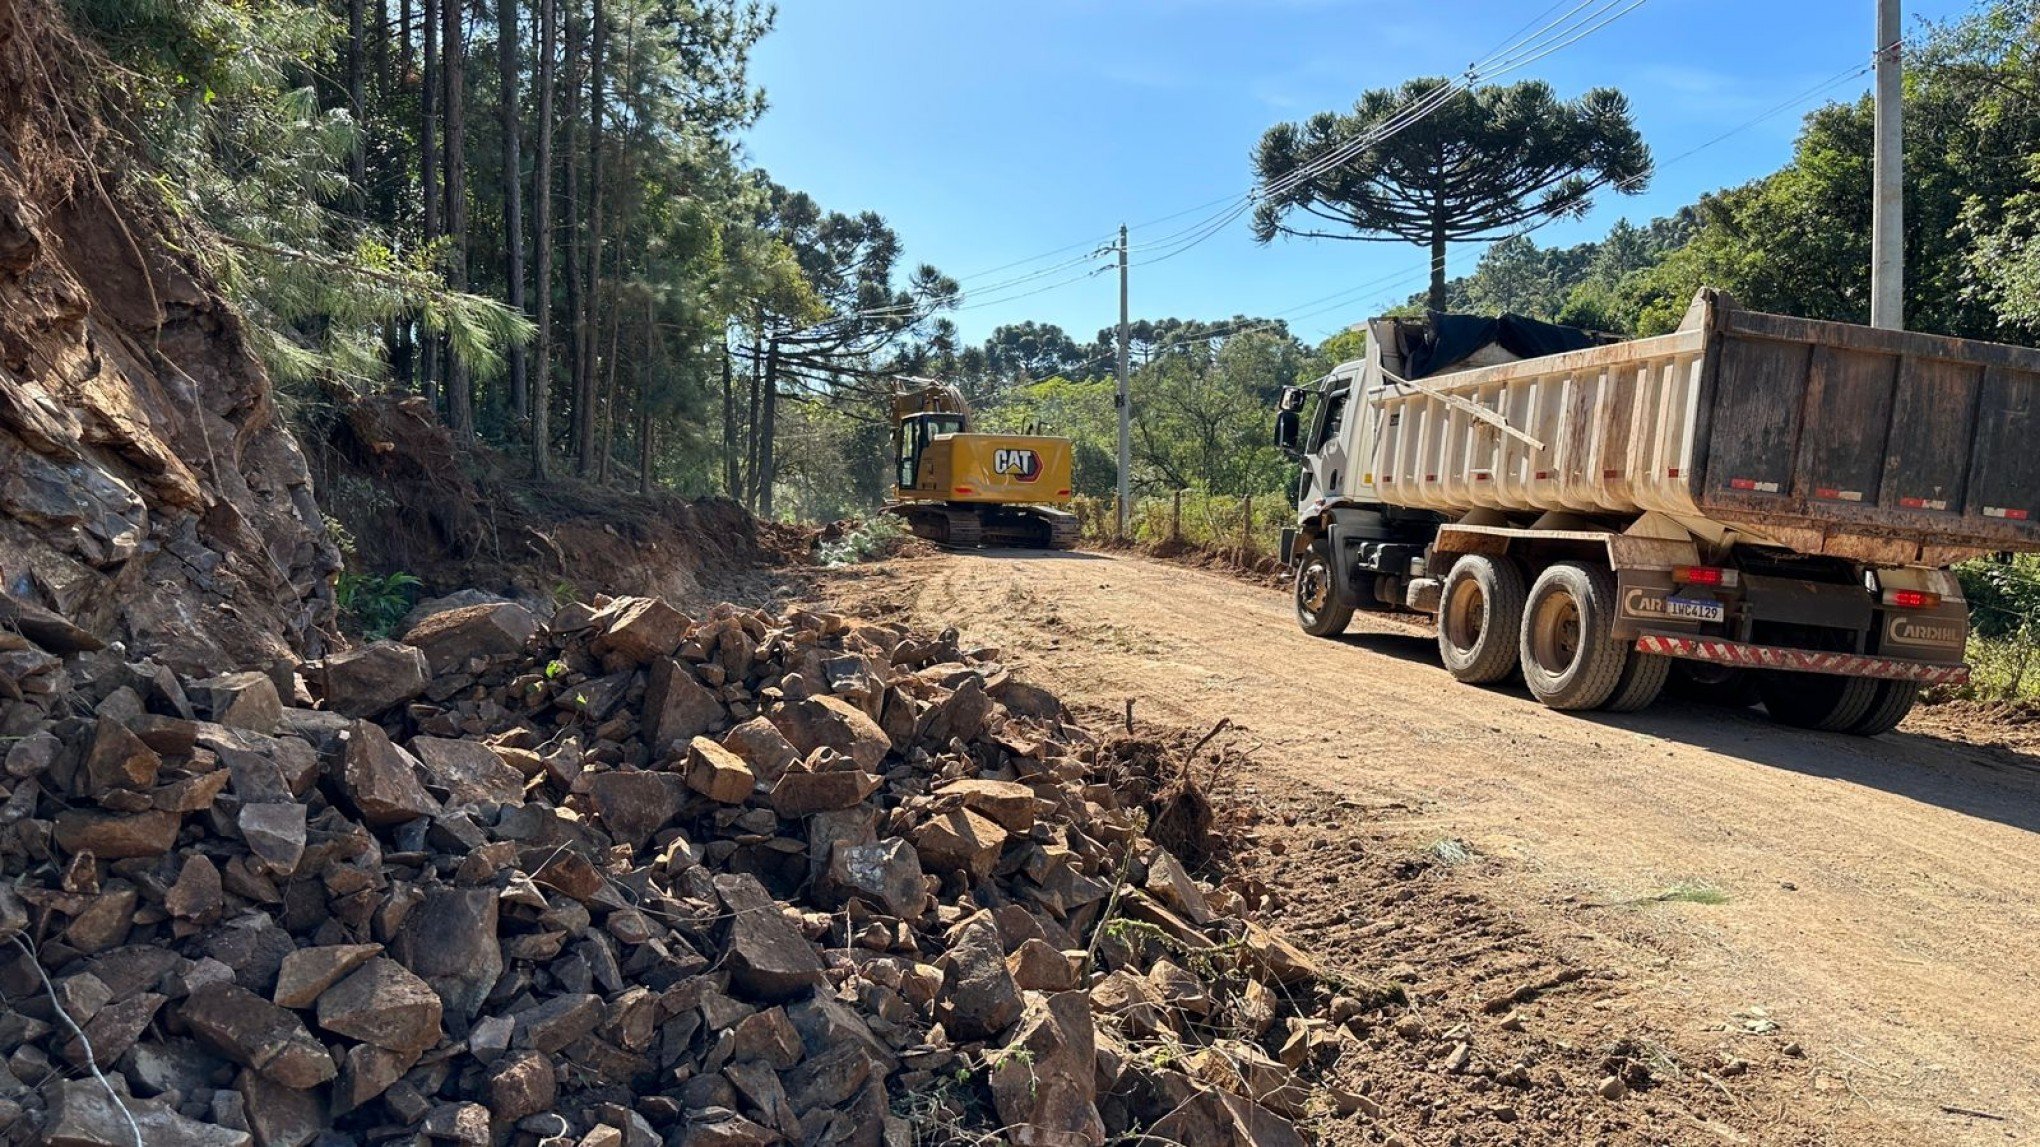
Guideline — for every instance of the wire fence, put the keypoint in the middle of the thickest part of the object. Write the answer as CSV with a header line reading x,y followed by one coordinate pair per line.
x,y
1243,529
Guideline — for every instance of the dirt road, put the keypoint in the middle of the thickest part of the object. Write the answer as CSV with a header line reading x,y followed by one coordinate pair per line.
x,y
1882,897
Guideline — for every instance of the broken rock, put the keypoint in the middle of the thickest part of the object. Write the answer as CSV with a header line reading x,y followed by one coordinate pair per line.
x,y
634,805
451,639
383,1003
110,836
978,998
638,629
1044,1082
367,681
885,874
678,707
960,841
831,722
382,779
255,1033
308,972
717,773
469,771
82,1114
769,958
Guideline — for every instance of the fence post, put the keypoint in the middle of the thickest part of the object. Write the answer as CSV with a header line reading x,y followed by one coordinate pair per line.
x,y
1246,529
1176,519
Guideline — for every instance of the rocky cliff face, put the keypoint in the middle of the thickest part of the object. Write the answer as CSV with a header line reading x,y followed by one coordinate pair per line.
x,y
149,492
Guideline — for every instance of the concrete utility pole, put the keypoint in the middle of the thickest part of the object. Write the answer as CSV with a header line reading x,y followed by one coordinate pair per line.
x,y
1887,228
1124,402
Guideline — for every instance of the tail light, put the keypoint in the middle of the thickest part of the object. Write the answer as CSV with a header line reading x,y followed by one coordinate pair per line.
x,y
1706,575
1062,493
965,490
1911,599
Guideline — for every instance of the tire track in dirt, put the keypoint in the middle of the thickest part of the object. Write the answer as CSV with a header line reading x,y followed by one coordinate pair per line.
x,y
1880,905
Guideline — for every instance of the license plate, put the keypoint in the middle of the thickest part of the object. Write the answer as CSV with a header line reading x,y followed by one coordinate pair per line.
x,y
1691,609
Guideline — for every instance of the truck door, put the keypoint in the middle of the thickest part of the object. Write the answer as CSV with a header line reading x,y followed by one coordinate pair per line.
x,y
1324,467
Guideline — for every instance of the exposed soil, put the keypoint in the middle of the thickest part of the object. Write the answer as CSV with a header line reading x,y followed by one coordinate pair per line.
x,y
389,473
1732,891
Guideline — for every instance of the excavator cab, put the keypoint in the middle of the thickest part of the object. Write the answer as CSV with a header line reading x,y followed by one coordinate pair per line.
x,y
917,432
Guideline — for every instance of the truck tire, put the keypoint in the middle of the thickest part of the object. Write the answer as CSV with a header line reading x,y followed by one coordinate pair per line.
x,y
1480,614
1570,657
1319,609
1707,684
1894,701
1818,701
1642,680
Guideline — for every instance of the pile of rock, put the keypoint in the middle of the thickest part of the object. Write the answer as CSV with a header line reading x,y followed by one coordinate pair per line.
x,y
618,877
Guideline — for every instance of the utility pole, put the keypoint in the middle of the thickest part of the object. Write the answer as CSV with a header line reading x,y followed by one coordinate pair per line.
x,y
1887,227
1124,402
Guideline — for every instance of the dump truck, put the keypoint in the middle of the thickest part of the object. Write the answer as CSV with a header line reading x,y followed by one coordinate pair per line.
x,y
961,488
1754,508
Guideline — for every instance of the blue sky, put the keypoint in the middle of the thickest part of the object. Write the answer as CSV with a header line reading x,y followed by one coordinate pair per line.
x,y
992,131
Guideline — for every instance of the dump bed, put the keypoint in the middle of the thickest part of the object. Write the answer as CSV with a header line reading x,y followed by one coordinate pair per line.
x,y
1821,437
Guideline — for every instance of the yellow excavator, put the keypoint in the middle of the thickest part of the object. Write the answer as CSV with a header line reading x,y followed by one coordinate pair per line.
x,y
963,489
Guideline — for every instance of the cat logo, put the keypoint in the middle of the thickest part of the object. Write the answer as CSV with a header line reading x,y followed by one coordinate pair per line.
x,y
1022,464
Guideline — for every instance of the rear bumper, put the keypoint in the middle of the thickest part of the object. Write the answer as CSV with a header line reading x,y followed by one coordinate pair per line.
x,y
1800,660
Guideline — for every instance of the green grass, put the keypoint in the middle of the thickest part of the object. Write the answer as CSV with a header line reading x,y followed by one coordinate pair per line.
x,y
1684,892
2002,669
1207,521
874,537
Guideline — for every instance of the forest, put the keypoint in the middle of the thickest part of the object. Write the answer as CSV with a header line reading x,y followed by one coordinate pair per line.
x,y
538,217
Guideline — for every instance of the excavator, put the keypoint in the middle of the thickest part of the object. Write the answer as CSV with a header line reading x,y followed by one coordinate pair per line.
x,y
962,489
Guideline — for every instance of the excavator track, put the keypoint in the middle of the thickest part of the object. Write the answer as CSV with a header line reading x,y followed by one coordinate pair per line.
x,y
966,527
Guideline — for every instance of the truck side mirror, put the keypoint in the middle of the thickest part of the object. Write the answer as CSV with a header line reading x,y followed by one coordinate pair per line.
x,y
1288,424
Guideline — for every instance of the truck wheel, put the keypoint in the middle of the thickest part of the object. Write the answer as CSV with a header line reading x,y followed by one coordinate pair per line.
x,y
1642,680
1819,701
1480,611
1570,657
1318,608
1893,702
1708,684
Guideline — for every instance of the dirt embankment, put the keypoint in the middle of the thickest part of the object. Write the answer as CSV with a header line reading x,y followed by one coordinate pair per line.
x,y
1736,889
148,490
390,475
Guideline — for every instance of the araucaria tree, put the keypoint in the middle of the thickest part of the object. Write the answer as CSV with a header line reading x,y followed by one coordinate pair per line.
x,y
1480,165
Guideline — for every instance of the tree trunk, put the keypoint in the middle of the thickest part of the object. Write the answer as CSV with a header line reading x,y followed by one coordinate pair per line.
x,y
542,235
1437,299
383,57
751,412
460,399
357,100
407,63
576,302
428,176
731,466
592,250
646,373
513,193
606,444
767,424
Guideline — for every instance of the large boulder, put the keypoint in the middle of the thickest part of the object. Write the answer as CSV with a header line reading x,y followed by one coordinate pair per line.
x,y
833,723
1045,1079
768,957
367,681
451,639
